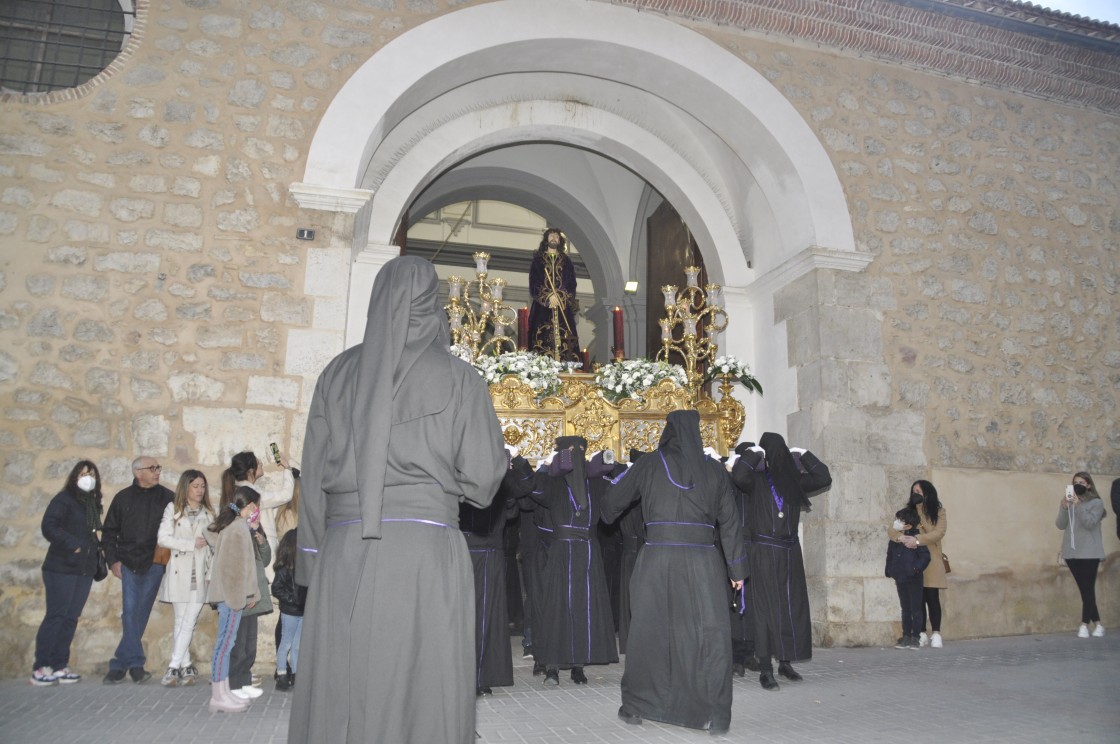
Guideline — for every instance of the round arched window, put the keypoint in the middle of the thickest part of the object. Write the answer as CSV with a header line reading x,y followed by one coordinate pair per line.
x,y
49,45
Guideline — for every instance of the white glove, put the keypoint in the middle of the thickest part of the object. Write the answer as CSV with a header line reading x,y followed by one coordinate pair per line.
x,y
797,450
731,461
546,460
513,451
711,452
758,449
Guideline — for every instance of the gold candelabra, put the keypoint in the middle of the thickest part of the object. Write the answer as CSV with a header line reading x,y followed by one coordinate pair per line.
x,y
485,329
692,318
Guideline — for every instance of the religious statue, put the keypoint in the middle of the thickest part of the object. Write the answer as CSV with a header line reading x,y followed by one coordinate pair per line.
x,y
552,287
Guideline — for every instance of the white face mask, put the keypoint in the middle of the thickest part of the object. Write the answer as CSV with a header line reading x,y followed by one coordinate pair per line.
x,y
87,483
899,525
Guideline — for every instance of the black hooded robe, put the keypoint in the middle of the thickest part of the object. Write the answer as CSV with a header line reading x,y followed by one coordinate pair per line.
x,y
776,490
678,651
572,621
483,529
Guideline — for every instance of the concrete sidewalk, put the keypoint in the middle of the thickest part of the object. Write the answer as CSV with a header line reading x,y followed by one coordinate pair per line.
x,y
1050,688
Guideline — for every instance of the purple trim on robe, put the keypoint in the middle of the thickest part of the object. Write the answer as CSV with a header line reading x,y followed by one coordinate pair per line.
x,y
670,475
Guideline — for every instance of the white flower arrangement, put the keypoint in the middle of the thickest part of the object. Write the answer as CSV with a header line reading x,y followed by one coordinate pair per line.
x,y
463,352
541,373
632,377
736,369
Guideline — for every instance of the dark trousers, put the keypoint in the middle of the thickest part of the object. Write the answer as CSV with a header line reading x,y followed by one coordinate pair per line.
x,y
910,601
66,597
932,600
244,653
1084,572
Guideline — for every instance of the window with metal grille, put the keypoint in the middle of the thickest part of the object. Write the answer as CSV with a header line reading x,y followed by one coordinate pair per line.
x,y
49,45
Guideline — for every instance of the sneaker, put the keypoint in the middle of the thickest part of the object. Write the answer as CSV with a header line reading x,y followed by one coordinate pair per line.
x,y
67,677
903,642
172,678
187,674
248,692
923,639
1098,632
915,643
43,677
1083,631
935,640
139,674
114,677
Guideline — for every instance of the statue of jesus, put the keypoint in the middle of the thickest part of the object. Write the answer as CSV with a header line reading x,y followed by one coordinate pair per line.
x,y
552,287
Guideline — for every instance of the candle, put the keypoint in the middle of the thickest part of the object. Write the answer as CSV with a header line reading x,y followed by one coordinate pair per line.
x,y
692,272
499,329
480,260
619,343
666,333
713,295
670,293
455,287
523,328
585,357
690,326
496,288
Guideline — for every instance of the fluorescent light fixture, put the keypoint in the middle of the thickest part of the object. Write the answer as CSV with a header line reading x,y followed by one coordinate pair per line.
x,y
631,287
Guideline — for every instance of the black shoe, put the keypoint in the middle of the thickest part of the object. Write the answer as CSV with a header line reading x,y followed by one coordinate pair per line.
x,y
114,677
578,676
552,677
538,669
527,652
738,670
766,679
480,691
719,730
139,674
751,665
627,717
785,669
283,682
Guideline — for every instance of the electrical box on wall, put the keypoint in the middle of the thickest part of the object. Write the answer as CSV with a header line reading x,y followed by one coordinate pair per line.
x,y
304,233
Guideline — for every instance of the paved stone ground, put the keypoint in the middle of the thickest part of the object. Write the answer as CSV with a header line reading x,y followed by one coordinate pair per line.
x,y
1049,688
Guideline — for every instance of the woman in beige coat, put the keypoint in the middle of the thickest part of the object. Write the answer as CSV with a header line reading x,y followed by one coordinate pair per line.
x,y
182,530
923,497
233,586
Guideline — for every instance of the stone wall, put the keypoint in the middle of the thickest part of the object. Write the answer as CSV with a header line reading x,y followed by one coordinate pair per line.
x,y
153,297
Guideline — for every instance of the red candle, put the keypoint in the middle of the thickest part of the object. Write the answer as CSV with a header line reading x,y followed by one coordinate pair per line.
x,y
585,357
523,328
619,342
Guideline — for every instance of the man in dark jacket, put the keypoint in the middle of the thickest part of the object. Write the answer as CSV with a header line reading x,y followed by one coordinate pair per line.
x,y
129,540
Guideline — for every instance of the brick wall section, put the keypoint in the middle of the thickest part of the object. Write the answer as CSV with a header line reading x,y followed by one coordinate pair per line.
x,y
936,42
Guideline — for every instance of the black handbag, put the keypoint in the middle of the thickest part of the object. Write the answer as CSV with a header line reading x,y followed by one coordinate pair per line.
x,y
102,567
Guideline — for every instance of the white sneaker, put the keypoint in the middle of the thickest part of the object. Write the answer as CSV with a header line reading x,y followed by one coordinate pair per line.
x,y
1083,631
935,640
67,677
248,692
923,640
43,677
1098,632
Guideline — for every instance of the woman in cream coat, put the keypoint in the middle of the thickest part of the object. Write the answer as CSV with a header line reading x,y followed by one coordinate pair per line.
x,y
931,531
182,530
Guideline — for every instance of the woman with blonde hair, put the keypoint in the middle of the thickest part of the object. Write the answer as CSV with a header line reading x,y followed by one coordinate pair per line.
x,y
182,530
1080,513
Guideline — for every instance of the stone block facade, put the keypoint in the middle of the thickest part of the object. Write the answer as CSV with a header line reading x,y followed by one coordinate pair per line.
x,y
154,298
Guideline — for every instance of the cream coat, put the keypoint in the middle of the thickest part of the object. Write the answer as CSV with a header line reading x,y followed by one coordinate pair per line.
x,y
930,536
178,532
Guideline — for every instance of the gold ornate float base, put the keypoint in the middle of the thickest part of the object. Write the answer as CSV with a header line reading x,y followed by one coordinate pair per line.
x,y
579,409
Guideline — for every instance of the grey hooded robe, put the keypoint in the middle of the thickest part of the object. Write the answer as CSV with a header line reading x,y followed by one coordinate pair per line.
x,y
399,432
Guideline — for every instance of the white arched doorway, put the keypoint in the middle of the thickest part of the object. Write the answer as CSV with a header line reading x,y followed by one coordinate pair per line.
x,y
701,127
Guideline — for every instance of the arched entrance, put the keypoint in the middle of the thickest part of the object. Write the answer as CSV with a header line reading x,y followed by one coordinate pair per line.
x,y
694,122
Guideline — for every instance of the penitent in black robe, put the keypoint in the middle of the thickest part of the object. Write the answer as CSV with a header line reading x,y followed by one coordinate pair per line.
x,y
778,596
678,652
483,530
572,622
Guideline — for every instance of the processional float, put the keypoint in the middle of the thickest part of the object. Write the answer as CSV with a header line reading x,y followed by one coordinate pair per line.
x,y
538,399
